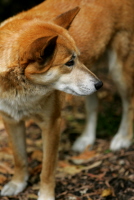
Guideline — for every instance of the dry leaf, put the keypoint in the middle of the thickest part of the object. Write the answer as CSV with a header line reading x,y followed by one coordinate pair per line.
x,y
83,157
96,164
99,176
32,196
72,170
68,168
7,150
4,168
6,154
36,169
37,155
36,187
106,192
102,94
63,164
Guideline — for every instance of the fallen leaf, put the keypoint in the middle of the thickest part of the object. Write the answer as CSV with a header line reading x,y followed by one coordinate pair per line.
x,y
83,157
5,156
102,94
36,169
63,164
72,170
99,176
36,187
69,168
96,164
6,153
4,168
37,155
6,150
32,196
106,192
72,197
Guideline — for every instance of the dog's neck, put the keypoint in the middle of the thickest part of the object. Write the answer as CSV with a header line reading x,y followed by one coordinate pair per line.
x,y
18,95
14,82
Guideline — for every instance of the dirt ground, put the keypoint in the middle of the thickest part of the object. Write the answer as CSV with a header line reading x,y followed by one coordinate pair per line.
x,y
96,174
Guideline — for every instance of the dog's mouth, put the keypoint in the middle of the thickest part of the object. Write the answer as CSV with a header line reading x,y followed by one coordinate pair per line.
x,y
75,93
83,91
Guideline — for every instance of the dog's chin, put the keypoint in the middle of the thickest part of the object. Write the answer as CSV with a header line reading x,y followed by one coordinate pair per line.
x,y
80,93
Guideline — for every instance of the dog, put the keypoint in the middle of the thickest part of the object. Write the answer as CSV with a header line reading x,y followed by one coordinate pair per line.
x,y
39,60
99,27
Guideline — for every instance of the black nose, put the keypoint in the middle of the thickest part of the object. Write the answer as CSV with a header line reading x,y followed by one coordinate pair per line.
x,y
98,85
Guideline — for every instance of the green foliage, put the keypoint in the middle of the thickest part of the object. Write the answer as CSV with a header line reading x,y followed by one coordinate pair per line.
x,y
109,117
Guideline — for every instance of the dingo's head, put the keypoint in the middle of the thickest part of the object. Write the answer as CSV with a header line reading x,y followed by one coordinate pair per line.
x,y
51,57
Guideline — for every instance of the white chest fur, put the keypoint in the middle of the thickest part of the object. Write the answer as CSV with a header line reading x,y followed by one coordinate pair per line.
x,y
23,106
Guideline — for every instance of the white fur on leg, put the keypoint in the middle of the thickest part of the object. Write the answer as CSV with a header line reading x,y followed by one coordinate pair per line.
x,y
89,135
123,139
46,198
82,142
120,141
13,188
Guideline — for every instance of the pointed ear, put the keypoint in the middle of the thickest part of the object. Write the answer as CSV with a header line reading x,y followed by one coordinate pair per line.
x,y
42,49
66,18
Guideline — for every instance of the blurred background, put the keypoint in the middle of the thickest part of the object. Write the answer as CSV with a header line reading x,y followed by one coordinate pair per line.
x,y
9,8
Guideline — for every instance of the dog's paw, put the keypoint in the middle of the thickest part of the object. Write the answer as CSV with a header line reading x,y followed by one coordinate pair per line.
x,y
44,197
82,143
13,188
119,141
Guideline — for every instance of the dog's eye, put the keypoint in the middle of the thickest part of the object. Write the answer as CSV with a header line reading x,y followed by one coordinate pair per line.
x,y
70,63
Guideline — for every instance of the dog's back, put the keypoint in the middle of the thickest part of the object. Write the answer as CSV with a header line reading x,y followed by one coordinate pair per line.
x,y
99,24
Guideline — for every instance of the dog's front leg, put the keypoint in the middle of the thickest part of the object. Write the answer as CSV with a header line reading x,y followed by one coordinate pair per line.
x,y
16,132
50,136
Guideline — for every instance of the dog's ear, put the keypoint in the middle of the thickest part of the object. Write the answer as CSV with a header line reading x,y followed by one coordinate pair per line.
x,y
42,49
66,18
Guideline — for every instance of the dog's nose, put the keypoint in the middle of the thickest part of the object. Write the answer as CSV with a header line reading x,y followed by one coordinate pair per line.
x,y
98,85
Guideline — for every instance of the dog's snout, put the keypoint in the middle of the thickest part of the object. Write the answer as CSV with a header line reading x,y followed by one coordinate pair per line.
x,y
98,85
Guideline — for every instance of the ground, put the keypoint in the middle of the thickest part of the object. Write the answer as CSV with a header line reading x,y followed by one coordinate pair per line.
x,y
96,174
